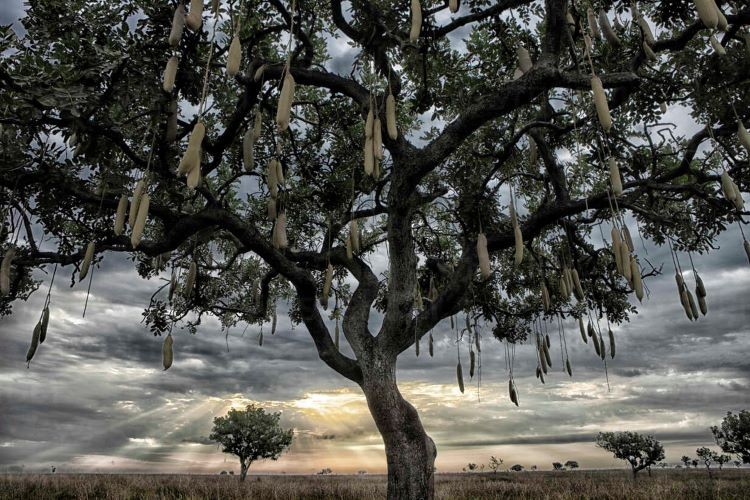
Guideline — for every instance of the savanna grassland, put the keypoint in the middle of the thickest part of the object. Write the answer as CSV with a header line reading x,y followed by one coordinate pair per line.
x,y
665,484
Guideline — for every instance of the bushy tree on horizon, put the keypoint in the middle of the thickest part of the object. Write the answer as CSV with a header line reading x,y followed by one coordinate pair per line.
x,y
484,172
639,451
251,434
495,463
733,435
707,456
571,464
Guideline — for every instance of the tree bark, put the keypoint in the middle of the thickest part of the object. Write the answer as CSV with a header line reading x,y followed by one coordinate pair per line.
x,y
410,452
244,466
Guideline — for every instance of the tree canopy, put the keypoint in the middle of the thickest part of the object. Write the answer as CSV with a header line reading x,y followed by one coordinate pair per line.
x,y
733,435
251,434
486,149
640,451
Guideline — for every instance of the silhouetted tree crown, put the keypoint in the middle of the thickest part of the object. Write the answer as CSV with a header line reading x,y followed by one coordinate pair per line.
x,y
251,434
640,451
733,435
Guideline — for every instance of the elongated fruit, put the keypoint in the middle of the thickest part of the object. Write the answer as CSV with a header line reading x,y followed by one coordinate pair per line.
x,y
390,117
167,354
416,22
328,280
707,12
577,288
194,19
286,99
122,207
600,101
484,256
614,177
369,156
192,157
170,73
524,59
87,258
140,221
609,33
635,272
234,57
583,330
45,324
5,267
178,25
34,342
727,187
140,187
248,159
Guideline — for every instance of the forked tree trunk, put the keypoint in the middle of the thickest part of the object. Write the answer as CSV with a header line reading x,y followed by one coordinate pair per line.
x,y
410,452
244,466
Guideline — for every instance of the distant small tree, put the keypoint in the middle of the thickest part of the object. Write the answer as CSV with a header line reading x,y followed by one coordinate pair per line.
x,y
251,434
663,465
722,459
534,467
678,466
571,464
707,456
737,463
638,450
517,468
557,466
223,473
470,467
361,472
495,463
733,436
695,463
325,471
686,460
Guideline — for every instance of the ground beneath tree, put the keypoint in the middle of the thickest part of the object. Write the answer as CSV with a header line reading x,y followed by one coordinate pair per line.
x,y
665,484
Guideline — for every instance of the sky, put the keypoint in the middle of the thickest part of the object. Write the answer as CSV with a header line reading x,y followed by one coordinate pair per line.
x,y
95,397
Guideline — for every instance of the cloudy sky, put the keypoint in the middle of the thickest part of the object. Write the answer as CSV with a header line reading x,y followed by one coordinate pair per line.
x,y
95,397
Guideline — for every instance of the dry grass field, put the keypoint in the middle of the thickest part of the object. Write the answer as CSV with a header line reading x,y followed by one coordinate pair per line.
x,y
665,484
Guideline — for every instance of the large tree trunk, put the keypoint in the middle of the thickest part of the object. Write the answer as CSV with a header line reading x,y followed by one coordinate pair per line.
x,y
410,452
